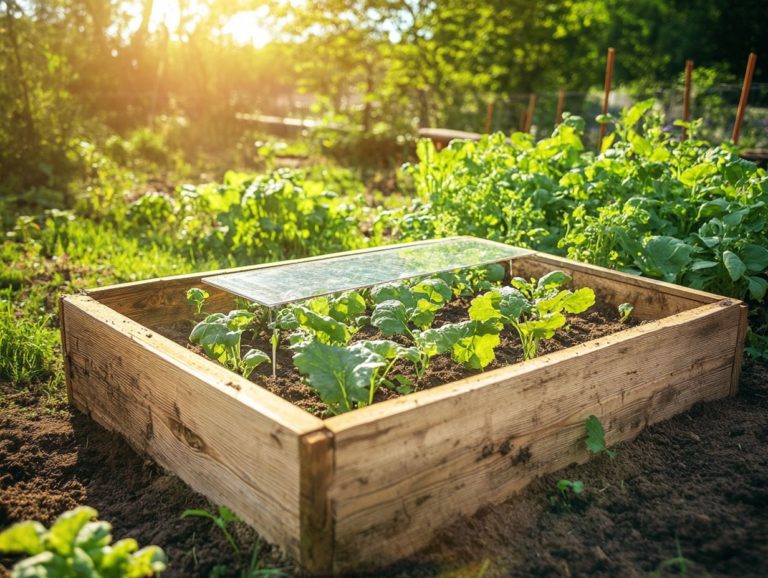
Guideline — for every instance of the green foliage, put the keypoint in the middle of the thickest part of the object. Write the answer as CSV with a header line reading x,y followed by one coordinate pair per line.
x,y
77,546
533,308
625,311
223,519
27,343
399,306
196,297
220,336
595,440
342,376
650,204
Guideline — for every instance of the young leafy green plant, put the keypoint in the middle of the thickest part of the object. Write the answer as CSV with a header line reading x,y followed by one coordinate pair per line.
x,y
533,308
595,441
222,520
220,336
78,545
566,490
389,351
625,311
471,343
398,306
342,376
196,297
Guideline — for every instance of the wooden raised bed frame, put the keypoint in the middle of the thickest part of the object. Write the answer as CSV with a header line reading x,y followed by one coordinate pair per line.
x,y
364,488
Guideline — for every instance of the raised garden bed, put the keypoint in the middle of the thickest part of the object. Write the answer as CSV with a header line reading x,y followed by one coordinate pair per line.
x,y
365,487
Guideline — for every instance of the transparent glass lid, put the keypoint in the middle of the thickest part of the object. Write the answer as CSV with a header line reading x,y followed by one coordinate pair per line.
x,y
280,284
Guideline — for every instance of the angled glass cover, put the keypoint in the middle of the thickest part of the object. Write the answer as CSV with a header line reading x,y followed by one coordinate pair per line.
x,y
290,282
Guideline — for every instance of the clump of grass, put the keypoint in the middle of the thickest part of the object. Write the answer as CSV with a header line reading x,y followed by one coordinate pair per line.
x,y
27,344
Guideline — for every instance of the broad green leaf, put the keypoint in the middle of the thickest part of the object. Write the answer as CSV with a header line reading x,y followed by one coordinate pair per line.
x,y
94,535
476,344
23,538
116,558
636,112
252,359
393,292
495,273
544,328
735,267
697,173
341,375
423,314
438,341
485,307
239,319
390,317
755,257
666,257
347,307
148,561
579,301
319,305
699,264
757,287
43,565
434,290
325,328
61,536
384,347
553,280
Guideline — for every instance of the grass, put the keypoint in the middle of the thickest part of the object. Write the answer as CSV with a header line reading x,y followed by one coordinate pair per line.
x,y
28,345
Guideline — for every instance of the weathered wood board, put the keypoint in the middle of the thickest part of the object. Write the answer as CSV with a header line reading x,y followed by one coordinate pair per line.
x,y
364,488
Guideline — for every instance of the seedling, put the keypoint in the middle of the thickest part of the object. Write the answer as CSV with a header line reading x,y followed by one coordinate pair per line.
x,y
196,297
595,441
78,545
222,520
533,308
625,311
679,562
566,491
220,335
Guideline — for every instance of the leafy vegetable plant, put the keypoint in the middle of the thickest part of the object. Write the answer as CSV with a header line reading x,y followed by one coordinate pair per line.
x,y
399,307
533,308
78,545
196,297
220,336
625,311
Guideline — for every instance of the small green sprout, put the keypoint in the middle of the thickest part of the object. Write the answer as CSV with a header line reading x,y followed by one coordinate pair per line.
x,y
196,297
625,311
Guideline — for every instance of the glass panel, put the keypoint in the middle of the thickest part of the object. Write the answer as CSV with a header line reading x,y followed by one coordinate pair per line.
x,y
298,281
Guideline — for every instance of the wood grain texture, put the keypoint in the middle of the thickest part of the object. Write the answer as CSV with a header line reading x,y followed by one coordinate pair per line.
x,y
652,299
408,466
317,529
741,338
224,436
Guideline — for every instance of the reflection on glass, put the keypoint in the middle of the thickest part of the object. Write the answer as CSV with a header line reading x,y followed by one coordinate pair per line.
x,y
298,281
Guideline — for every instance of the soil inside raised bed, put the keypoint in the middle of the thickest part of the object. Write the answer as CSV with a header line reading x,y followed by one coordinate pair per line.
x,y
598,322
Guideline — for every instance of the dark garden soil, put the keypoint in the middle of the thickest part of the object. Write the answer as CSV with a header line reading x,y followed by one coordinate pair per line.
x,y
593,324
695,485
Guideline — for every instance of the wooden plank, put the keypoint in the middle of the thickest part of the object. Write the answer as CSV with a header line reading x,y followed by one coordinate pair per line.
x,y
741,338
406,467
652,299
317,532
65,357
224,436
